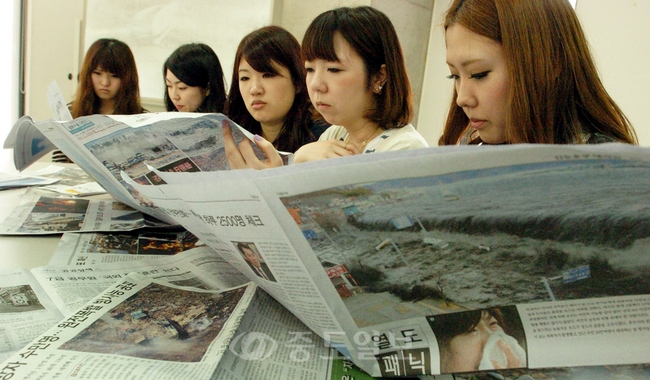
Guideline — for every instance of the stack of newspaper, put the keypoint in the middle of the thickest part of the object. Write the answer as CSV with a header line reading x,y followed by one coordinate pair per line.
x,y
531,258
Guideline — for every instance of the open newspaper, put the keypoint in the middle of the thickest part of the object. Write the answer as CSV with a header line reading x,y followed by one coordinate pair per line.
x,y
106,145
543,248
190,319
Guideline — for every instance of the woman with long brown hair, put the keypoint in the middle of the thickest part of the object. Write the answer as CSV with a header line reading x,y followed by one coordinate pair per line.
x,y
523,73
108,82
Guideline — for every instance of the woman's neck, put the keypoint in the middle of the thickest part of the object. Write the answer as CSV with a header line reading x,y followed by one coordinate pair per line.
x,y
363,134
107,107
271,131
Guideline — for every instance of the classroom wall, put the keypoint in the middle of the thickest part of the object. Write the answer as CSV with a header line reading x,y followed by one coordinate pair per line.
x,y
616,30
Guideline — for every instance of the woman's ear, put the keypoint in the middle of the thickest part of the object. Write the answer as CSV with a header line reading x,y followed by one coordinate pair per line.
x,y
379,80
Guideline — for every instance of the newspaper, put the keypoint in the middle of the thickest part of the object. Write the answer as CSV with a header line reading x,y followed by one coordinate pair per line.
x,y
38,214
89,248
25,310
137,329
15,180
372,252
28,143
375,252
72,181
270,342
106,145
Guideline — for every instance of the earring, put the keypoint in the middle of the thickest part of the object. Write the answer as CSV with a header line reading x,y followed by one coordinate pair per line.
x,y
378,90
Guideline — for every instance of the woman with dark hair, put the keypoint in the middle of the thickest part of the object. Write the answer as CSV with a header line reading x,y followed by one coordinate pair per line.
x,y
523,73
357,80
194,80
477,340
267,93
108,82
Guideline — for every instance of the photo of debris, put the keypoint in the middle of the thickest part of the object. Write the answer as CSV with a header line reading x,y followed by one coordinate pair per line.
x,y
160,323
143,243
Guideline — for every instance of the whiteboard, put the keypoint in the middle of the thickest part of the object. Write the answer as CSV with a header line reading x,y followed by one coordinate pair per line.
x,y
153,29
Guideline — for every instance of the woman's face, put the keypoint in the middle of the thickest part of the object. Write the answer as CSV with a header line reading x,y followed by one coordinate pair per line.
x,y
268,96
338,89
185,98
105,84
480,75
465,351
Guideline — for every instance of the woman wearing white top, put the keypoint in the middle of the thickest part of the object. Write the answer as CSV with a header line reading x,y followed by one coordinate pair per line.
x,y
357,81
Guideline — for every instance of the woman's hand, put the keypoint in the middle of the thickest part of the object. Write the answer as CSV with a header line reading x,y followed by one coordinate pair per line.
x,y
243,156
511,358
320,150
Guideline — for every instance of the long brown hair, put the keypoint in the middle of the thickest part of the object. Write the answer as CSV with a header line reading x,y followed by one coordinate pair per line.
x,y
115,57
261,48
372,35
556,95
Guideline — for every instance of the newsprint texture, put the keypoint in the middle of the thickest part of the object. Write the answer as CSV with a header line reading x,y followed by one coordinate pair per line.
x,y
414,263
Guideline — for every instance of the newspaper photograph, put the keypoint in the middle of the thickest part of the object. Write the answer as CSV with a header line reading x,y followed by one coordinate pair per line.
x,y
38,215
138,328
414,235
90,248
71,286
239,226
26,311
106,145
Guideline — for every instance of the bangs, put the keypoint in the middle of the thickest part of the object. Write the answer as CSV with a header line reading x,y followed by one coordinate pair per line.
x,y
319,39
260,61
106,59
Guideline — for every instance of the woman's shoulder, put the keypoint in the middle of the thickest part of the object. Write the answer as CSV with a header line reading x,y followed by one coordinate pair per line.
x,y
333,132
404,138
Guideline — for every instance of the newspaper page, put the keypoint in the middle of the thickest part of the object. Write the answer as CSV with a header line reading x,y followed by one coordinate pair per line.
x,y
138,328
71,286
392,242
72,181
15,180
26,310
37,214
90,248
240,227
105,145
271,343
29,143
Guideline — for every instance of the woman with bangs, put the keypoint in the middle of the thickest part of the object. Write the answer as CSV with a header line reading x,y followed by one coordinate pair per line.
x,y
108,81
357,81
523,73
108,84
267,94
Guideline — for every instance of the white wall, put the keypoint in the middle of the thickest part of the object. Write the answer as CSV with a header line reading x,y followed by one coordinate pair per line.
x,y
617,31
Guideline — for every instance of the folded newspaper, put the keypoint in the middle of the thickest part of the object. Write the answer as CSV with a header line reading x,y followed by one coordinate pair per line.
x,y
413,263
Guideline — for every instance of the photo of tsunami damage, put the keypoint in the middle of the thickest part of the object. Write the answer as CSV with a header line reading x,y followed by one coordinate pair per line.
x,y
160,323
424,246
